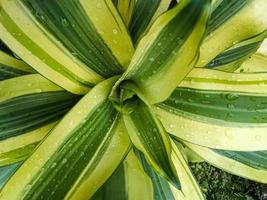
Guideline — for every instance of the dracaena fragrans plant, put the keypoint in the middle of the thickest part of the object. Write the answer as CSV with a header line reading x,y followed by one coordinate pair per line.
x,y
112,99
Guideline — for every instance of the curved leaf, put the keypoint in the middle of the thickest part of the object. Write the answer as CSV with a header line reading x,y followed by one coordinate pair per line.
x,y
125,8
168,49
129,181
11,67
90,47
231,23
144,14
148,135
232,58
30,106
218,110
238,163
84,150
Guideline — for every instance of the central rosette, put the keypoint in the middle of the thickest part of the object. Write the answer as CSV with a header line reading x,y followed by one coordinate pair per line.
x,y
125,96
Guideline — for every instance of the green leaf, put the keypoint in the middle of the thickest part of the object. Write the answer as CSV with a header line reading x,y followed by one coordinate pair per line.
x,y
148,135
217,109
30,107
11,67
255,64
189,188
167,52
125,8
232,58
6,172
231,23
163,190
84,150
250,165
129,181
144,14
89,46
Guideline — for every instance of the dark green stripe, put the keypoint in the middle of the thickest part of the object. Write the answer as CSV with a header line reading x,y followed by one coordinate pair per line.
x,y
7,72
68,22
66,165
115,2
172,4
5,48
6,172
169,41
256,159
29,112
227,106
225,10
24,40
162,190
235,54
142,15
114,188
151,138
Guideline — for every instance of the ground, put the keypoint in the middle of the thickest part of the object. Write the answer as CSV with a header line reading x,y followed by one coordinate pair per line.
x,y
219,185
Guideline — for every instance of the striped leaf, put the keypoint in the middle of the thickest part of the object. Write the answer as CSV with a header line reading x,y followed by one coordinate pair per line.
x,y
148,135
125,8
129,181
6,172
6,49
168,51
250,165
231,23
11,67
90,46
232,58
30,106
163,190
189,186
218,110
84,150
144,14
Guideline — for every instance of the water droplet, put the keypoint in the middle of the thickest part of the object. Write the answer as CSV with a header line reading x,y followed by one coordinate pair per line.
x,y
152,59
159,43
171,125
115,31
27,187
54,164
205,102
64,22
229,115
64,160
38,90
232,96
190,100
231,106
258,137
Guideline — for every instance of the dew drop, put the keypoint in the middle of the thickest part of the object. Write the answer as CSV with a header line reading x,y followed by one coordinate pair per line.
x,y
152,59
172,125
232,96
258,137
64,22
115,31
